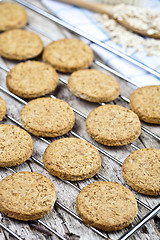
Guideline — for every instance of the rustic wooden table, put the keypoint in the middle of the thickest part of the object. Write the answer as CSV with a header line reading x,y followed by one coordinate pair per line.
x,y
59,219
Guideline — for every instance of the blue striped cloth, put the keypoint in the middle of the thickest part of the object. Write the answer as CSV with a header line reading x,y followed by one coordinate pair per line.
x,y
85,21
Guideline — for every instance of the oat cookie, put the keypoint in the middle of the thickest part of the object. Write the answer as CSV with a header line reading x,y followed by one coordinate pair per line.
x,y
26,195
93,85
20,44
72,159
11,16
2,109
107,206
47,117
68,55
113,125
141,171
32,79
145,102
16,145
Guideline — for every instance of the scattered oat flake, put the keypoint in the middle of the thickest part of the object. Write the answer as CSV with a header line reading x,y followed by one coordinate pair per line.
x,y
140,18
128,39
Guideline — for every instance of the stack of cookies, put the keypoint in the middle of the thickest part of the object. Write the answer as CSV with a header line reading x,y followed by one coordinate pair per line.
x,y
107,206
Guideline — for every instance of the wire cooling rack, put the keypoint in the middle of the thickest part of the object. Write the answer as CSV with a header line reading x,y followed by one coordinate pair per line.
x,y
146,205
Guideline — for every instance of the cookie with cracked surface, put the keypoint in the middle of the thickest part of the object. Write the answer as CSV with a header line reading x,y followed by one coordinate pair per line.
x,y
93,85
20,44
141,171
16,145
107,206
26,196
145,102
2,109
72,159
68,55
47,117
113,125
32,79
11,16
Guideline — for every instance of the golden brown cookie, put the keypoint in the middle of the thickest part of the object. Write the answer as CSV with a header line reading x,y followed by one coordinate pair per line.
x,y
26,195
11,16
107,206
141,171
16,145
113,125
47,117
145,102
72,159
20,44
2,109
32,79
93,85
68,55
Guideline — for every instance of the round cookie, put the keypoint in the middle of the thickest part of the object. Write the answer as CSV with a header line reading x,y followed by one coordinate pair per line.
x,y
107,206
2,109
141,171
145,102
16,145
72,159
93,85
11,16
47,117
26,196
20,44
32,79
68,55
113,125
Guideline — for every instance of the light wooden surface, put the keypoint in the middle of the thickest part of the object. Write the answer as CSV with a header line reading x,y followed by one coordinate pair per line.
x,y
58,218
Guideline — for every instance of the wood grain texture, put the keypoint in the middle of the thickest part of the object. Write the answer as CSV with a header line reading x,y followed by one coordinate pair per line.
x,y
65,224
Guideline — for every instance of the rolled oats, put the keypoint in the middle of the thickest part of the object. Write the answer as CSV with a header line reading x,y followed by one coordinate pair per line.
x,y
128,39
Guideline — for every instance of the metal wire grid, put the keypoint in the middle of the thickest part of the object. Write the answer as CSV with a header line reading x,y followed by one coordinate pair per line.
x,y
100,64
83,34
78,112
105,67
153,211
143,221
